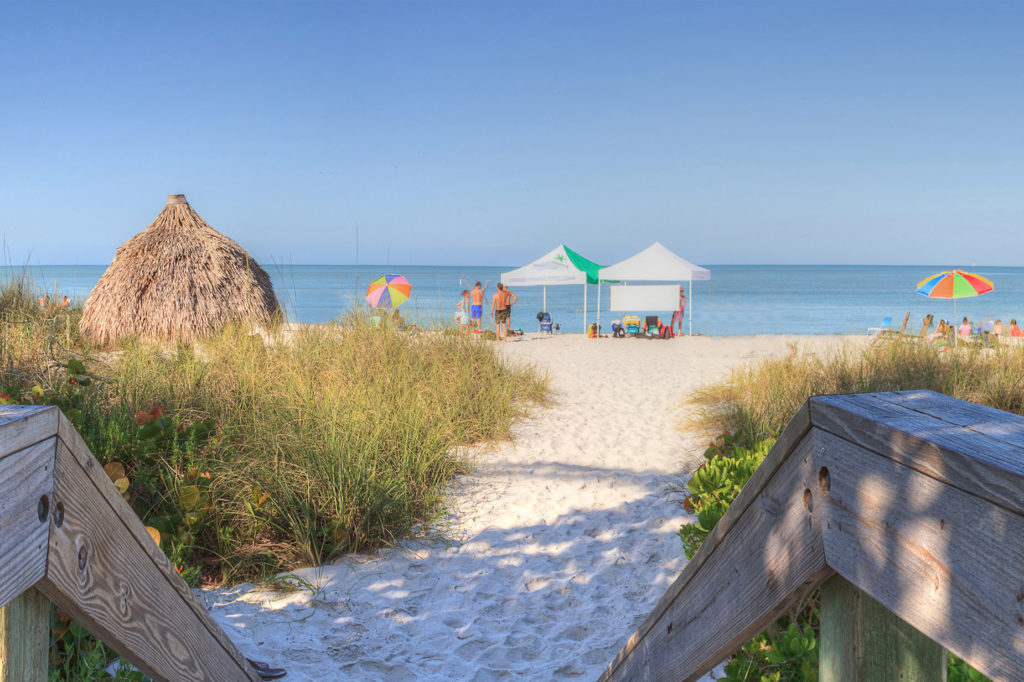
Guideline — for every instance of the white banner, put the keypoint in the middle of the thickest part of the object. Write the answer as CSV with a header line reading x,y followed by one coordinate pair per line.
x,y
644,298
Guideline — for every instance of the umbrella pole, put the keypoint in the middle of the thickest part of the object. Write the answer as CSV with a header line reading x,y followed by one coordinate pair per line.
x,y
956,326
545,305
598,307
690,301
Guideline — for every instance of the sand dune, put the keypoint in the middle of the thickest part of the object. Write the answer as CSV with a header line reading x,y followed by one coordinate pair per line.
x,y
560,542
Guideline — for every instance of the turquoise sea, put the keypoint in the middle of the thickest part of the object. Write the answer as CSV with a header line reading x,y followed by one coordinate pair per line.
x,y
739,299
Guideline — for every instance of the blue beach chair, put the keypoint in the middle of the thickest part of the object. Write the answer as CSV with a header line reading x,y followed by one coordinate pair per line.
x,y
886,321
544,323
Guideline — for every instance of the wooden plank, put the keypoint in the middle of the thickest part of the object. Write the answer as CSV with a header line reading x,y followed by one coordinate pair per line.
x,y
25,638
25,478
988,421
25,425
985,466
73,443
862,641
944,560
771,557
787,441
100,574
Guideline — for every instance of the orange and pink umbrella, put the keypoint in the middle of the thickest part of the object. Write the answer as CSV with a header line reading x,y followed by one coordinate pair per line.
x,y
388,291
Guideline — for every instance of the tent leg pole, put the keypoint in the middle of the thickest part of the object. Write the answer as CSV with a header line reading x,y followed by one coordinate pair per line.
x,y
691,307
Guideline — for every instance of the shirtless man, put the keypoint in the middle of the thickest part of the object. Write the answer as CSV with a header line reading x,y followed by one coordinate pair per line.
x,y
500,309
476,309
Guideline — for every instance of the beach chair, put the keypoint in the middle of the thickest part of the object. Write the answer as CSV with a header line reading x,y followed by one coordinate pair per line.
x,y
544,323
886,321
632,324
652,326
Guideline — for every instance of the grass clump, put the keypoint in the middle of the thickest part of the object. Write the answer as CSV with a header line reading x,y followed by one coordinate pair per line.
x,y
751,409
759,400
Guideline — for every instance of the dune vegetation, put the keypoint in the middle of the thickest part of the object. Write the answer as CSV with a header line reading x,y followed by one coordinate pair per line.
x,y
251,454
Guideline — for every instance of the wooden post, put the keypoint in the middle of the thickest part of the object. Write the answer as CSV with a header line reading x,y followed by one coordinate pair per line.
x,y
861,641
25,638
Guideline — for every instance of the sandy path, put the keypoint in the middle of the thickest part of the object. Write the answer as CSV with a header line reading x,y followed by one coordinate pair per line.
x,y
563,539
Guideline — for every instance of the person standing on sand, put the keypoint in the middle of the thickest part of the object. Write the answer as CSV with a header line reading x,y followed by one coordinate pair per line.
x,y
677,316
463,307
500,304
476,310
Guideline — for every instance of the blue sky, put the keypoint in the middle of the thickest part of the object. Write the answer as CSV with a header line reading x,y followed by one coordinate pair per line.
x,y
488,132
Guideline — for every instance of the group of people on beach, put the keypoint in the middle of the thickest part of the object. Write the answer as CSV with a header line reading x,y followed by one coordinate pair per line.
x,y
965,329
470,309
45,302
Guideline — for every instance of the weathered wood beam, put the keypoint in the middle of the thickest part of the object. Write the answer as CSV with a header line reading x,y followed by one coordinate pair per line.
x,y
26,491
25,638
943,559
102,572
25,425
771,557
862,641
80,451
975,452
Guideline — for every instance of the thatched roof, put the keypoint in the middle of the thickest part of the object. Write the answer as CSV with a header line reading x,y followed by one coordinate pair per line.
x,y
177,280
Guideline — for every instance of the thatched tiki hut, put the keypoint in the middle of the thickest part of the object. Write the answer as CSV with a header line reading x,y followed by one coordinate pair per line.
x,y
177,280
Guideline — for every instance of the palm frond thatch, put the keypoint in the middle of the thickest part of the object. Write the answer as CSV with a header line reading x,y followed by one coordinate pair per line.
x,y
177,280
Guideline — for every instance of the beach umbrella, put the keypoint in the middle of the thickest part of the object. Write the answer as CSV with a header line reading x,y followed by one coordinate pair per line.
x,y
954,284
388,291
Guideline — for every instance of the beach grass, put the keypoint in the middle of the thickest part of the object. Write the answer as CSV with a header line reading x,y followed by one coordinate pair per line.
x,y
758,400
351,430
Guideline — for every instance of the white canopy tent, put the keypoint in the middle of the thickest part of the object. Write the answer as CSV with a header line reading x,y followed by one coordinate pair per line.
x,y
561,265
655,264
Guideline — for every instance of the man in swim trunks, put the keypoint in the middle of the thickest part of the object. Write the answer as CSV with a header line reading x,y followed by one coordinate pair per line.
x,y
677,316
500,309
476,309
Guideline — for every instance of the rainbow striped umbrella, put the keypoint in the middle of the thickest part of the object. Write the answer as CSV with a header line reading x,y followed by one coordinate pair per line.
x,y
388,291
954,284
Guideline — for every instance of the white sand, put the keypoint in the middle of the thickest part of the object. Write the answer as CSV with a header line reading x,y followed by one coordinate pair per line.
x,y
562,540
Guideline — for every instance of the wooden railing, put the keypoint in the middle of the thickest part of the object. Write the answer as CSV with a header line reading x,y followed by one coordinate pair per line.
x,y
907,508
67,536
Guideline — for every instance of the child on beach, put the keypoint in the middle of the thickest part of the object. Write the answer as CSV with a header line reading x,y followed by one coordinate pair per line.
x,y
1015,331
463,313
965,329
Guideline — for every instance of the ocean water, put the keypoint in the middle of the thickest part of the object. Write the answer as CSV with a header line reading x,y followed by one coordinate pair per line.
x,y
739,299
